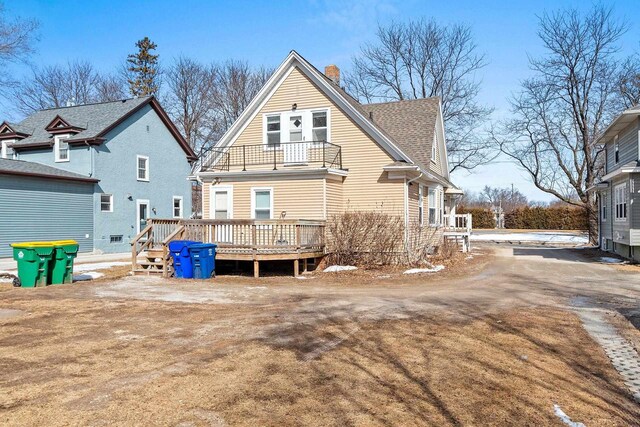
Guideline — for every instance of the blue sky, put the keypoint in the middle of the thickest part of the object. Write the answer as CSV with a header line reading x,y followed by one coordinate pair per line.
x,y
325,32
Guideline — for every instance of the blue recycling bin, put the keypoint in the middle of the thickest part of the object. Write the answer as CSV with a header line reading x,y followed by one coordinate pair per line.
x,y
179,250
203,259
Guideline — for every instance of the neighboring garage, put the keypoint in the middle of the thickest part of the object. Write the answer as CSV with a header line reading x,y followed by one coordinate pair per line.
x,y
39,202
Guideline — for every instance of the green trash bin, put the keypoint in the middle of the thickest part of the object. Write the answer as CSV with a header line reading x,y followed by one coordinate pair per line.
x,y
61,267
33,262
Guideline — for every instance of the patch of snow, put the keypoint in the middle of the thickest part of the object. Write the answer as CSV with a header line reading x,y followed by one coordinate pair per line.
x,y
564,417
6,276
610,260
337,268
541,236
384,276
99,266
256,287
435,269
469,257
89,275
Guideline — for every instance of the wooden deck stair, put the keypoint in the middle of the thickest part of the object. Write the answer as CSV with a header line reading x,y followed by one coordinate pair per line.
x,y
151,262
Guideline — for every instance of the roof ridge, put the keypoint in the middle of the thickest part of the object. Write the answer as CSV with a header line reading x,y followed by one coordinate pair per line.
x,y
94,103
429,98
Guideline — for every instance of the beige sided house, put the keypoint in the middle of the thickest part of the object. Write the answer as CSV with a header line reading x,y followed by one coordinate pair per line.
x,y
303,151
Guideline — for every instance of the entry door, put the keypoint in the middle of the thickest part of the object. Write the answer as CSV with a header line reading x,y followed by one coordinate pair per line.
x,y
142,215
222,208
296,127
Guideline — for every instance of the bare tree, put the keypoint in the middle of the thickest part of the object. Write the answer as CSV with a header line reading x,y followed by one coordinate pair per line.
x,y
559,112
629,81
425,59
508,198
190,100
17,39
55,86
236,84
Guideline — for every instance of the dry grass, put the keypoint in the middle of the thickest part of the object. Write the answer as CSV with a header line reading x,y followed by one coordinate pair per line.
x,y
124,362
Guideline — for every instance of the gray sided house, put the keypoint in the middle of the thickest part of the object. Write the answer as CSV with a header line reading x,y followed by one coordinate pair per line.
x,y
93,172
619,189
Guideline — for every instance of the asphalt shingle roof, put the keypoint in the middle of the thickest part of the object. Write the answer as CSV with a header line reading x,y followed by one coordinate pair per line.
x,y
20,167
93,118
410,123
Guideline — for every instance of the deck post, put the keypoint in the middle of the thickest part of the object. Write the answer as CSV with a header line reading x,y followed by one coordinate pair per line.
x,y
305,265
256,268
296,267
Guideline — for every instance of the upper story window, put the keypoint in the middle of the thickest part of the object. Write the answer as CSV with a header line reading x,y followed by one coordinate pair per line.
x,y
143,168
319,129
61,149
616,148
273,131
621,197
296,126
177,206
6,152
433,206
106,202
262,203
603,206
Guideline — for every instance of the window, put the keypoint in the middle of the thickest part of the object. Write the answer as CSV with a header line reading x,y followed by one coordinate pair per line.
x,y
143,168
106,202
617,151
621,197
6,152
262,203
61,149
177,207
432,207
319,129
603,206
421,205
273,131
115,239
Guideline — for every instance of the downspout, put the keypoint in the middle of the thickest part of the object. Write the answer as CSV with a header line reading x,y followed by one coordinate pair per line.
x,y
406,208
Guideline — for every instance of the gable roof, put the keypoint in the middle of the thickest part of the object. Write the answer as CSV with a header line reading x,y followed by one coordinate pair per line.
x,y
411,145
618,124
20,167
411,124
90,122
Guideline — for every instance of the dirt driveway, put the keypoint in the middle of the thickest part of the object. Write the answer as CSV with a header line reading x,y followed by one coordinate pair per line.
x,y
495,344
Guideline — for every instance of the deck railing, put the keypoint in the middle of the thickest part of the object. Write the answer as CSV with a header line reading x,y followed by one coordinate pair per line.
x,y
459,223
304,153
232,236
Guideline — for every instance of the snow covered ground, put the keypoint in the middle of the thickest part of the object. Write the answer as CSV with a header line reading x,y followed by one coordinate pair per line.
x,y
338,268
435,269
537,236
611,260
83,271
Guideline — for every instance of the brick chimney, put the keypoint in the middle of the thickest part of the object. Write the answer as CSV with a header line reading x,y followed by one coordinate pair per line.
x,y
333,73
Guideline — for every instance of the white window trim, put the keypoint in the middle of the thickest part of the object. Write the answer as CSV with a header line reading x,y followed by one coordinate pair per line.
x,y
603,206
56,148
307,132
435,206
616,150
434,149
253,200
212,200
625,201
110,202
173,206
140,202
146,178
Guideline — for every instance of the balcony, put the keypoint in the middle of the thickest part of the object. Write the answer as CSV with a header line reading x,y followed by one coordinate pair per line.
x,y
320,154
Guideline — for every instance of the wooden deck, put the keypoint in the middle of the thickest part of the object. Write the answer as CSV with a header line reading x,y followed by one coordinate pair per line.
x,y
237,240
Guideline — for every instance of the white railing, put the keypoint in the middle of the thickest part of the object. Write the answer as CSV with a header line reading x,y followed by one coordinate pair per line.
x,y
459,223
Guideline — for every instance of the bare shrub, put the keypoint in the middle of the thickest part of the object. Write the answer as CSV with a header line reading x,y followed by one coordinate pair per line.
x,y
369,238
365,238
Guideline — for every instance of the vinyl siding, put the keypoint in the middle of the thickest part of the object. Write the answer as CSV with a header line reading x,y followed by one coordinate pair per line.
x,y
628,148
413,196
34,209
437,166
366,187
606,224
334,197
299,198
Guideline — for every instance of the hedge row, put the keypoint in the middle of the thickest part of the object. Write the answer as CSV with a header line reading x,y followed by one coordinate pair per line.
x,y
482,217
541,218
